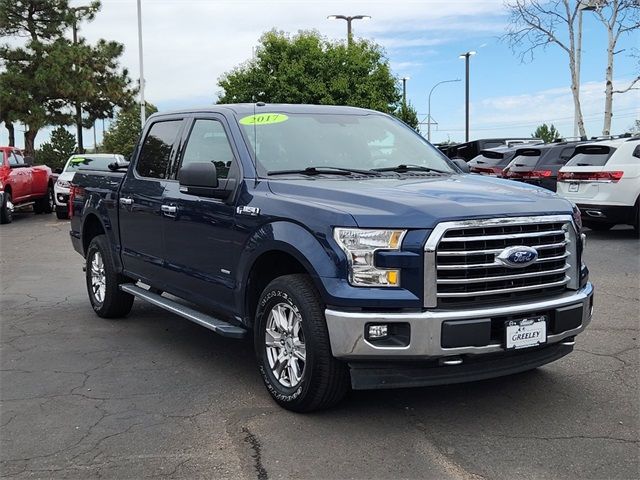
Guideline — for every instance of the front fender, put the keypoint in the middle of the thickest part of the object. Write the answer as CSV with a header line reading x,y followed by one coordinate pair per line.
x,y
313,252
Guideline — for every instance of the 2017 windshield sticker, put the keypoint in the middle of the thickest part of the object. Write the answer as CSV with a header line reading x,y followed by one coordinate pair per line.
x,y
78,160
264,119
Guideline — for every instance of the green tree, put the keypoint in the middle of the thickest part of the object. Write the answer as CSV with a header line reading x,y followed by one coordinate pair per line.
x,y
58,149
42,78
307,68
547,133
123,134
408,114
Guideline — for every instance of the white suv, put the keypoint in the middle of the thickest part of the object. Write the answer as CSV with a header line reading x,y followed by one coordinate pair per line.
x,y
91,161
603,179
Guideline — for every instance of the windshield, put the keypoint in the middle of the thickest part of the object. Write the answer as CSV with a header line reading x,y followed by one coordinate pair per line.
x,y
88,162
284,142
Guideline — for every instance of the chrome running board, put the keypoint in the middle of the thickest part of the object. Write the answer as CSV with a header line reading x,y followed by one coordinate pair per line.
x,y
218,326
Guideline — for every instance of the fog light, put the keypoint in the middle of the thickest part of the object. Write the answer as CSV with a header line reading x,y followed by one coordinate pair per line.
x,y
377,331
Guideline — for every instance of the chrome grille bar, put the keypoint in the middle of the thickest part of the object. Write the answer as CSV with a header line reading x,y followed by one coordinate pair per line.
x,y
447,271
455,281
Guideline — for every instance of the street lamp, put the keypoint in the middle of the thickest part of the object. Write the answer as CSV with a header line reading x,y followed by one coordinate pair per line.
x,y
429,104
588,5
404,91
349,19
466,57
142,102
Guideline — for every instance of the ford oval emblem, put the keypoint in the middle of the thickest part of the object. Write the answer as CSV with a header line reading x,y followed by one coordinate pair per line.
x,y
520,256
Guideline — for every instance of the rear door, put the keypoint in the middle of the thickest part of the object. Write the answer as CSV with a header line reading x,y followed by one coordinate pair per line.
x,y
19,177
141,221
202,243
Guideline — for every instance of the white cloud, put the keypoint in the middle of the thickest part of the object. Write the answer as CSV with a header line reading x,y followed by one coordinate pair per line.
x,y
520,114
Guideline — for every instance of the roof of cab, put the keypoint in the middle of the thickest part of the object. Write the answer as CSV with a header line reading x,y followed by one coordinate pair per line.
x,y
251,108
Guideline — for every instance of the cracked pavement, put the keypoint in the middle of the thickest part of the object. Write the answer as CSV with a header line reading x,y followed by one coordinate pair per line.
x,y
154,395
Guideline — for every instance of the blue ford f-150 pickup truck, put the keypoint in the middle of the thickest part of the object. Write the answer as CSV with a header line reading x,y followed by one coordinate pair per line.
x,y
355,252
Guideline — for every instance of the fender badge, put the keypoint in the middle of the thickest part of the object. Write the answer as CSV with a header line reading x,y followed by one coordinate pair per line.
x,y
251,211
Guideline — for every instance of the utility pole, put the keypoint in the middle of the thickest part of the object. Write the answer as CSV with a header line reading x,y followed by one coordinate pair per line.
x,y
348,19
589,5
142,101
466,57
404,91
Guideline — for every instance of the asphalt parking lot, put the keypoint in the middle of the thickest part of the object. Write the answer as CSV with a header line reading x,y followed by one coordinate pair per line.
x,y
154,395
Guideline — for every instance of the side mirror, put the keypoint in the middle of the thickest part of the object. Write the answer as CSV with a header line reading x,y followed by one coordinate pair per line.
x,y
28,161
200,178
461,164
57,171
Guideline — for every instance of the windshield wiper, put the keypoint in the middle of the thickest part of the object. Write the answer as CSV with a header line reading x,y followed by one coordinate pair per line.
x,y
323,171
407,168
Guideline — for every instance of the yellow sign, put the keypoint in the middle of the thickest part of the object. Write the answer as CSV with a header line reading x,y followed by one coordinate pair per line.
x,y
264,119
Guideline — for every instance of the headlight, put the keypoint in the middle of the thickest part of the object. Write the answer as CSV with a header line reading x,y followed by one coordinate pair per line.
x,y
360,247
63,184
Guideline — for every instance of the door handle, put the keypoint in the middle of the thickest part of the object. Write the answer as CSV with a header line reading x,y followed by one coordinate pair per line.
x,y
126,201
169,210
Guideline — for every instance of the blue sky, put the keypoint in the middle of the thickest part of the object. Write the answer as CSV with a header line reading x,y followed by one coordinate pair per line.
x,y
188,44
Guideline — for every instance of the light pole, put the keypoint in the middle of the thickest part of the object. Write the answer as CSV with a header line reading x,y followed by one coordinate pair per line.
x,y
348,19
142,102
466,57
583,5
404,91
429,105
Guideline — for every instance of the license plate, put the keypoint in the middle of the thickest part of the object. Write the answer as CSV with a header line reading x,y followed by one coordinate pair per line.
x,y
525,333
574,187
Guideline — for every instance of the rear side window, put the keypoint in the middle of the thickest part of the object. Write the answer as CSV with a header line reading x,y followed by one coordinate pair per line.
x,y
155,155
208,142
591,156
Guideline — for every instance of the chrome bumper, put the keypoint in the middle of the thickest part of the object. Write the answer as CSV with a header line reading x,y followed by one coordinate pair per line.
x,y
347,329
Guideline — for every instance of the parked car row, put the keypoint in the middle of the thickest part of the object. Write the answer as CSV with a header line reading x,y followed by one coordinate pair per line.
x,y
23,185
602,177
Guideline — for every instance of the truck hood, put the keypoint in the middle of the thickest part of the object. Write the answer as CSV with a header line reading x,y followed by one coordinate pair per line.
x,y
422,202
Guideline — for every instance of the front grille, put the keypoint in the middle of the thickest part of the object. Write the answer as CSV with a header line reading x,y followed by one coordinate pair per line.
x,y
467,271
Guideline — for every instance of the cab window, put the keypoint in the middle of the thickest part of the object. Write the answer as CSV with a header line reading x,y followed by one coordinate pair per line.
x,y
153,161
208,142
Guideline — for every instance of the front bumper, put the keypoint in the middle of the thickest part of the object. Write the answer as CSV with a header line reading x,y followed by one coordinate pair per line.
x,y
348,342
61,197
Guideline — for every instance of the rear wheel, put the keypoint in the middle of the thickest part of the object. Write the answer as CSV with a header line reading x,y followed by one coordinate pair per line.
x,y
45,204
293,349
103,281
636,225
6,210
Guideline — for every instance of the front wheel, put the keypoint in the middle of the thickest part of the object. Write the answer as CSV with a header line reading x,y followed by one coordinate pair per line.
x,y
103,281
6,209
292,347
62,213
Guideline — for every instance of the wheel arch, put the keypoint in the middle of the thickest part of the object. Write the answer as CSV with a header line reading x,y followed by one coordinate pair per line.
x,y
91,227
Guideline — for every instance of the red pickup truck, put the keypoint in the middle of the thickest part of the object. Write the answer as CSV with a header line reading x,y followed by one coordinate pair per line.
x,y
22,184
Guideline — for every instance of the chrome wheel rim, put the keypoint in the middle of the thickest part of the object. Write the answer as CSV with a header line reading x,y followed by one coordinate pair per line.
x,y
9,203
285,345
98,278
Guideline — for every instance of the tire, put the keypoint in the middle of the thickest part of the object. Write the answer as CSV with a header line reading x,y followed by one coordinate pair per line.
x,y
636,225
6,210
599,227
318,380
103,281
45,204
62,213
